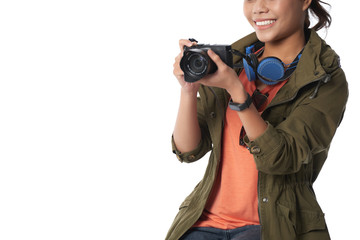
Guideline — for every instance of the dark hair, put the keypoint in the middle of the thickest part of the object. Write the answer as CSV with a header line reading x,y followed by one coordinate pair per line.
x,y
322,15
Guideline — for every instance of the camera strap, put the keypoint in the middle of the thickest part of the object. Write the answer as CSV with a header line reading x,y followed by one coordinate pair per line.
x,y
243,56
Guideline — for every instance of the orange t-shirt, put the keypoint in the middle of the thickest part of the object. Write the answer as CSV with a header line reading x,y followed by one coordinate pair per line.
x,y
233,201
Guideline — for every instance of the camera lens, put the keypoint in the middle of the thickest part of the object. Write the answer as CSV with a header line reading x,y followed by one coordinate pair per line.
x,y
197,64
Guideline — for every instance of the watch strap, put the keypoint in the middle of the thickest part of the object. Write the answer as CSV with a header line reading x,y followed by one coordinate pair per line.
x,y
240,106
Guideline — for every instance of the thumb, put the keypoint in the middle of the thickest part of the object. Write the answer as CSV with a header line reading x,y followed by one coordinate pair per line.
x,y
217,60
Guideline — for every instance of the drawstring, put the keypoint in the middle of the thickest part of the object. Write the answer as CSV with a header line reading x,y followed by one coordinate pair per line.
x,y
324,80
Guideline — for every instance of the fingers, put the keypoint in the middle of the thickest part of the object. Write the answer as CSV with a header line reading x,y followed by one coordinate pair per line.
x,y
182,43
177,70
224,77
185,42
217,60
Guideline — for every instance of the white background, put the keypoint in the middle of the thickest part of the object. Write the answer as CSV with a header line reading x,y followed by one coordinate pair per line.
x,y
87,107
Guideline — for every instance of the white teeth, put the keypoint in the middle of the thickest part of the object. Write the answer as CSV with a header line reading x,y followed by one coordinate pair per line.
x,y
266,22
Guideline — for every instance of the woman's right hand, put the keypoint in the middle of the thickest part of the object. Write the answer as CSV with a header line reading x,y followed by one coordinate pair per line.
x,y
186,87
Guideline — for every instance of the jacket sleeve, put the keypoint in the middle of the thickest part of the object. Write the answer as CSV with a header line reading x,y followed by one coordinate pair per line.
x,y
306,132
205,143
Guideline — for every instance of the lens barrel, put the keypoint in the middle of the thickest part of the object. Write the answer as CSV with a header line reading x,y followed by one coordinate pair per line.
x,y
196,64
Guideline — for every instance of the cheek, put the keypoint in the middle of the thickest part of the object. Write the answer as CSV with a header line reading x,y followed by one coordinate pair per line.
x,y
295,20
291,13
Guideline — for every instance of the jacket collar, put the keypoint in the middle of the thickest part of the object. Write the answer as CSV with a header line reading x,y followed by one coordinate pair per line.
x,y
317,60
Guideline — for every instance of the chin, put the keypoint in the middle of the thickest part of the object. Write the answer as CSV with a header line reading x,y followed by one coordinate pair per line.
x,y
270,36
265,37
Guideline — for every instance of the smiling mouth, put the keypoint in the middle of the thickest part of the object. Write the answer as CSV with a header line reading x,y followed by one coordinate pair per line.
x,y
265,22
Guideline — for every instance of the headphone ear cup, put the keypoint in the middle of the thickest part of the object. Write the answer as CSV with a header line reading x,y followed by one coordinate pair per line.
x,y
270,70
249,68
249,71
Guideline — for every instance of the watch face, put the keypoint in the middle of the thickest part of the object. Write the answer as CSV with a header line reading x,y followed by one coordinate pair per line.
x,y
237,106
232,106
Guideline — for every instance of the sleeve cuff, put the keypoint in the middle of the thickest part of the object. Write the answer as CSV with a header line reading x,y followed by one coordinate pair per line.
x,y
264,145
190,156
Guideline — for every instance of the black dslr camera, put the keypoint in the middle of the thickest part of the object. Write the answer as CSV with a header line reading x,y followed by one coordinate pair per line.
x,y
196,63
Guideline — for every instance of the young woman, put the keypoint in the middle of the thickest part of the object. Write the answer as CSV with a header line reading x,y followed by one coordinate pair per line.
x,y
269,138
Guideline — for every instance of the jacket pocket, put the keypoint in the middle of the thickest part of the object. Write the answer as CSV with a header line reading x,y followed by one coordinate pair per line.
x,y
308,221
303,221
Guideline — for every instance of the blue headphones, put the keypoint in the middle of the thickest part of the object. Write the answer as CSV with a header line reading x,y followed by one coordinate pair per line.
x,y
270,70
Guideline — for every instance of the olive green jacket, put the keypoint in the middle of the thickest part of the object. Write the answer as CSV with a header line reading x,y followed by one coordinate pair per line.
x,y
302,120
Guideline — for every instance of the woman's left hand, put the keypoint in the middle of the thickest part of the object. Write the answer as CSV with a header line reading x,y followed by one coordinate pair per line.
x,y
225,77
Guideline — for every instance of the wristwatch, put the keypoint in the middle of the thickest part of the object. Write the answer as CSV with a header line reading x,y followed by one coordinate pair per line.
x,y
240,106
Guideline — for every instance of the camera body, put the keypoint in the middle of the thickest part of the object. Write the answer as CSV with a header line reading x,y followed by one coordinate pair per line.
x,y
196,63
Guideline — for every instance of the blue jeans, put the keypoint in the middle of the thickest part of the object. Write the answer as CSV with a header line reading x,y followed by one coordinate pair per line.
x,y
251,232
